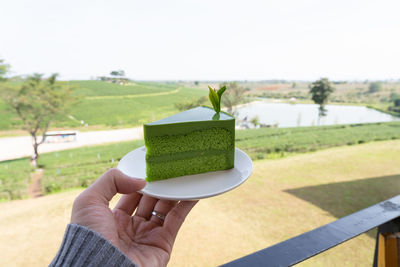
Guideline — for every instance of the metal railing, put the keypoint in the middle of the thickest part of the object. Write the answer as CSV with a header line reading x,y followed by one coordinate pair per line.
x,y
384,215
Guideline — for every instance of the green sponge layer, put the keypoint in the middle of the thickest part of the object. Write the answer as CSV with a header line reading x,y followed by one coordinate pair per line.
x,y
207,139
194,165
194,141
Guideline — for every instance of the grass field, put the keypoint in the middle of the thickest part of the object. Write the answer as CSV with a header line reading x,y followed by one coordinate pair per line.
x,y
14,178
99,88
110,105
276,142
130,111
79,167
283,198
345,92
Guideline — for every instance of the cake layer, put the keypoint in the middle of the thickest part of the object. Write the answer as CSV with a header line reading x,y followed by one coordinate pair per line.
x,y
189,154
189,121
189,166
205,139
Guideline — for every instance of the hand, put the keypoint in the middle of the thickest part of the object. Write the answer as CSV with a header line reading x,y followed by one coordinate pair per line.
x,y
146,239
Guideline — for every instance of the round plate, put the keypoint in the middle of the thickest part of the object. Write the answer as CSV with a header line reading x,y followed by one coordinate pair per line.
x,y
188,187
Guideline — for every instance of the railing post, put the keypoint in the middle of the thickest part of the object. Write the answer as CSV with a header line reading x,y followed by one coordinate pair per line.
x,y
387,248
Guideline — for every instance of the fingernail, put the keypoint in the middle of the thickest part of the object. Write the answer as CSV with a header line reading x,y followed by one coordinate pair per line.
x,y
137,179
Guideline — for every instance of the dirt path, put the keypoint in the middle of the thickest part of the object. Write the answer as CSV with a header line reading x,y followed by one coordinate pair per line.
x,y
35,188
131,96
21,146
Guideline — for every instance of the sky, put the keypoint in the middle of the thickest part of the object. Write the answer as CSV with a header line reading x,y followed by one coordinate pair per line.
x,y
203,39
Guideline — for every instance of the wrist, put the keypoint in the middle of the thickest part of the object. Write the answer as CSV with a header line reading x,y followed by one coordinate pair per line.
x,y
82,246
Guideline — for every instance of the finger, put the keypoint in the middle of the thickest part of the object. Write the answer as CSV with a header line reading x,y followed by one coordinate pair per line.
x,y
146,206
128,203
113,182
162,207
177,215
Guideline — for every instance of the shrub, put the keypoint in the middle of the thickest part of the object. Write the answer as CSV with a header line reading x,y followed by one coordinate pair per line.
x,y
260,156
374,87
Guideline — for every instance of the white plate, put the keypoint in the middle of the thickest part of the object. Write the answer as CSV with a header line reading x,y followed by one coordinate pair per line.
x,y
188,187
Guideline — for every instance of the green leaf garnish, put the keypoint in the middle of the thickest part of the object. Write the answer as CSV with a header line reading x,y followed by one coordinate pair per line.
x,y
220,92
215,97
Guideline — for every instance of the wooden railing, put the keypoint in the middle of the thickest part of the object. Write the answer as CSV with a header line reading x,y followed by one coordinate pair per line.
x,y
384,215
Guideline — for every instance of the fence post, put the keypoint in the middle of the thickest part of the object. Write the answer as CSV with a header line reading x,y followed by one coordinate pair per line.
x,y
387,248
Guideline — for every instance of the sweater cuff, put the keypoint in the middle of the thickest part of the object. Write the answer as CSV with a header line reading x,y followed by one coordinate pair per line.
x,y
84,247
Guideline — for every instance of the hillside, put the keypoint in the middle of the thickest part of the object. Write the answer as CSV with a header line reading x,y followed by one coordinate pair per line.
x,y
105,105
283,198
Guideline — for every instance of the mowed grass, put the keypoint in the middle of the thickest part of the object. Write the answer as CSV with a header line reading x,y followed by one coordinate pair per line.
x,y
282,198
110,105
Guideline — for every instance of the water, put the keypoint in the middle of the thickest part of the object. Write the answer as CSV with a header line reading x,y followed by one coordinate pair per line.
x,y
292,115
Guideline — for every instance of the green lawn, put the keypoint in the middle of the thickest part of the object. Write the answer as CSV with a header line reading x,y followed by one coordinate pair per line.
x,y
79,167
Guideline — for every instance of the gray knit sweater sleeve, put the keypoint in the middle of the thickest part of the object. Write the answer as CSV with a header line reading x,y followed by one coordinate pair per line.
x,y
84,247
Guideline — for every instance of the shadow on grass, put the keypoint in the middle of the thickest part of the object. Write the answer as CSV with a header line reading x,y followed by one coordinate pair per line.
x,y
344,198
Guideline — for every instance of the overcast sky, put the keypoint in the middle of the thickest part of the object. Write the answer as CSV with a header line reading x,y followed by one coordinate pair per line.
x,y
203,39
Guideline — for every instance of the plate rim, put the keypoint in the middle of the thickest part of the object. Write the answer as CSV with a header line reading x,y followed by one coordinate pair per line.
x,y
158,196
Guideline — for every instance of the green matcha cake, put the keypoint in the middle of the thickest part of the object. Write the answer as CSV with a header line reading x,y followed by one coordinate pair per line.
x,y
194,141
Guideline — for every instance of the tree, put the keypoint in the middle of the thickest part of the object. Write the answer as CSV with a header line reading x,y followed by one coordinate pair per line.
x,y
3,69
117,73
396,106
374,87
320,91
234,95
37,102
393,96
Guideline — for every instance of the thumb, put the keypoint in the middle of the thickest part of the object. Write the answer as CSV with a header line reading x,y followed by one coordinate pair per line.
x,y
113,182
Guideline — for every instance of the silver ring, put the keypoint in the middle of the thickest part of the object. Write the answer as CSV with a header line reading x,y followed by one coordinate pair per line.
x,y
158,215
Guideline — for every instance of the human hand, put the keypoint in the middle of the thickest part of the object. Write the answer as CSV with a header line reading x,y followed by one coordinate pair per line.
x,y
146,239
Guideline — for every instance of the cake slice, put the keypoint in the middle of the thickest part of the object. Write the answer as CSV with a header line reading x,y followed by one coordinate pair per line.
x,y
195,141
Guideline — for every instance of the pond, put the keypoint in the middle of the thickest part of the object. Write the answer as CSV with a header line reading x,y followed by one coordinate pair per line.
x,y
293,115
